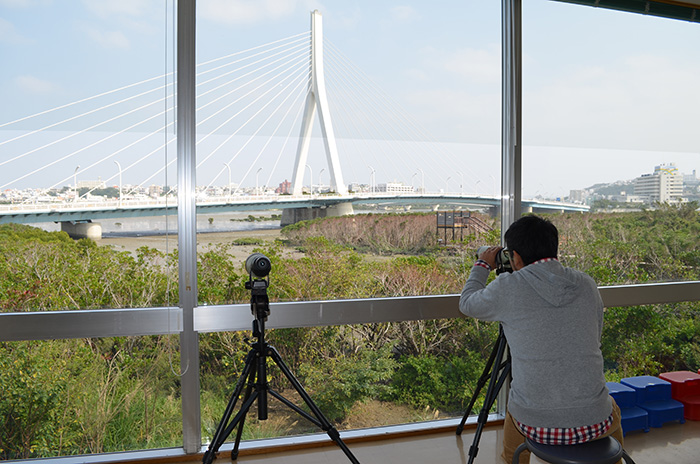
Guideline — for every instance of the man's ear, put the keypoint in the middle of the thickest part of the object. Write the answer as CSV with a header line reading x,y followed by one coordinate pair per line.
x,y
517,263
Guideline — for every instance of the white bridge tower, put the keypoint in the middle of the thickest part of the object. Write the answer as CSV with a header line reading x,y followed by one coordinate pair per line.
x,y
317,101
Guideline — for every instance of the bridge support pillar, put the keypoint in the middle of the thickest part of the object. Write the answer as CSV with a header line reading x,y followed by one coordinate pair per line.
x,y
89,229
294,215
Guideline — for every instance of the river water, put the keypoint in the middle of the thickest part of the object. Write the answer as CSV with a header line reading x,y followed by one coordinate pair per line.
x,y
165,225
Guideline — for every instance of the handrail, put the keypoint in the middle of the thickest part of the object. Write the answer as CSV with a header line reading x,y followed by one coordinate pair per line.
x,y
48,325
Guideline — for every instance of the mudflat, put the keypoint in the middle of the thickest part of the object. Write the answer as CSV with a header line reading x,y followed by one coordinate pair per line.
x,y
168,243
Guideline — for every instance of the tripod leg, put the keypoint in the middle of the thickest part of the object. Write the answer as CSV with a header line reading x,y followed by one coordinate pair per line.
x,y
220,436
241,424
485,375
494,386
325,424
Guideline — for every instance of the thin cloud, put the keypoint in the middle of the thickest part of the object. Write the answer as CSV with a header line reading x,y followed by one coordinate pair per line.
x,y
640,102
23,3
9,34
34,85
474,64
245,11
109,39
404,14
134,8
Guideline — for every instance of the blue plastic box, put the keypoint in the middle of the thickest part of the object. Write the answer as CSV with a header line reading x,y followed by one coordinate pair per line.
x,y
632,416
654,396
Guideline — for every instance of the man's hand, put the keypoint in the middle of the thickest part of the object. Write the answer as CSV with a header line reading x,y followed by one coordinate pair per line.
x,y
489,255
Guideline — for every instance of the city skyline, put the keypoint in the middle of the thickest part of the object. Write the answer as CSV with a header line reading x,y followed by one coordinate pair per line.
x,y
285,186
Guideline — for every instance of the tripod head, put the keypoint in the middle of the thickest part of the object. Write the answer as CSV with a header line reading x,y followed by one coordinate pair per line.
x,y
258,266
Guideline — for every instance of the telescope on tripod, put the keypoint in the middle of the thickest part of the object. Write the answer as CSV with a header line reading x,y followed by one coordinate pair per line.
x,y
254,374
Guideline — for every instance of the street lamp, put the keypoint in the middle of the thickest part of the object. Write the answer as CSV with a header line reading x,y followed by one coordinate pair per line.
x,y
256,179
461,182
75,183
372,179
229,180
422,181
311,181
319,179
119,166
412,177
447,184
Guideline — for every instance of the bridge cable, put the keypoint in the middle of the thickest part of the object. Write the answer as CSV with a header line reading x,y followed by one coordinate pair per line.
x,y
219,127
302,81
298,67
397,109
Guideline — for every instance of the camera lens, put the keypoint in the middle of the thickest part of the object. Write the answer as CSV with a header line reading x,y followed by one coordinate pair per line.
x,y
258,265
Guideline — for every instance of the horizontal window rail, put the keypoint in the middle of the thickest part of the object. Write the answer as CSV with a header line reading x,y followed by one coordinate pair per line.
x,y
159,321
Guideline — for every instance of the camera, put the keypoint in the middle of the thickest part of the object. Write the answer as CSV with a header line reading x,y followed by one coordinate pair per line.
x,y
502,259
258,265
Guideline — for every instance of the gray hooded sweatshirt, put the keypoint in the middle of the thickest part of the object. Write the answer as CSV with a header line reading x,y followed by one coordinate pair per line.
x,y
552,317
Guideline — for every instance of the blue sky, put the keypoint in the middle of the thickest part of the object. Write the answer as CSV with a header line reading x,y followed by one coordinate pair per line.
x,y
607,95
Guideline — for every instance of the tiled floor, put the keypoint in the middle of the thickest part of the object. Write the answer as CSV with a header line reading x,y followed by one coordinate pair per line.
x,y
673,444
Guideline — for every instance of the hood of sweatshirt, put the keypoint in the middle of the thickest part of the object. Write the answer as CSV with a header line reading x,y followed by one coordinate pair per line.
x,y
553,282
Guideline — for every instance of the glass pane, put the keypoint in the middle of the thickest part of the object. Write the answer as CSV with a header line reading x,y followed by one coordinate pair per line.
x,y
372,375
359,376
608,122
49,271
68,397
412,124
649,340
87,143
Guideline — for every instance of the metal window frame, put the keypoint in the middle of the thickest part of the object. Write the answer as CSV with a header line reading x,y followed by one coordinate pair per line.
x,y
53,325
188,320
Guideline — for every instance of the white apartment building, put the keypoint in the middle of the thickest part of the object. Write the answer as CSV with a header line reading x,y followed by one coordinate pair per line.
x,y
664,185
91,184
394,187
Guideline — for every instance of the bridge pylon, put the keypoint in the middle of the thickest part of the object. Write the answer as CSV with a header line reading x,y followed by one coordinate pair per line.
x,y
317,101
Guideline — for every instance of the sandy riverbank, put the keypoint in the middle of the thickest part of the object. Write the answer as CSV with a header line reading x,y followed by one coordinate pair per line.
x,y
204,241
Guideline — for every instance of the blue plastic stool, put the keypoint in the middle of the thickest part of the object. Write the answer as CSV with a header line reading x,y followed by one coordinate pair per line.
x,y
654,396
632,417
602,451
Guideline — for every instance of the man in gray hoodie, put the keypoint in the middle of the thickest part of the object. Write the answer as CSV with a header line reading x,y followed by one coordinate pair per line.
x,y
552,318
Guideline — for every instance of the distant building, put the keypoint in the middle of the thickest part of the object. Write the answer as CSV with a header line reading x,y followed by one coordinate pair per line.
x,y
91,184
155,191
664,185
691,181
284,187
394,187
357,187
577,196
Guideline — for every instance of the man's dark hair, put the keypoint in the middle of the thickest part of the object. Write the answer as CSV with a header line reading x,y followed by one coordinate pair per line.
x,y
533,238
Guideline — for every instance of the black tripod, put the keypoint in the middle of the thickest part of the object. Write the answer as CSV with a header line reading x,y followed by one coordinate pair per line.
x,y
255,371
500,350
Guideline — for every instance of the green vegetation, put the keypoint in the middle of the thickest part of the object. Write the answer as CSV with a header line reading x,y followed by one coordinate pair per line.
x,y
251,218
66,397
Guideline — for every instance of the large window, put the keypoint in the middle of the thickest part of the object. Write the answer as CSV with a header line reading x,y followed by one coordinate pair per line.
x,y
363,307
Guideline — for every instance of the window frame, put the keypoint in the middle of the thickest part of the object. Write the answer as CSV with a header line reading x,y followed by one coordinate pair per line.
x,y
188,320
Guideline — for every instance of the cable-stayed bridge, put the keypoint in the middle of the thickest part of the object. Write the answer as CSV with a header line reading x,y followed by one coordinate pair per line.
x,y
257,110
